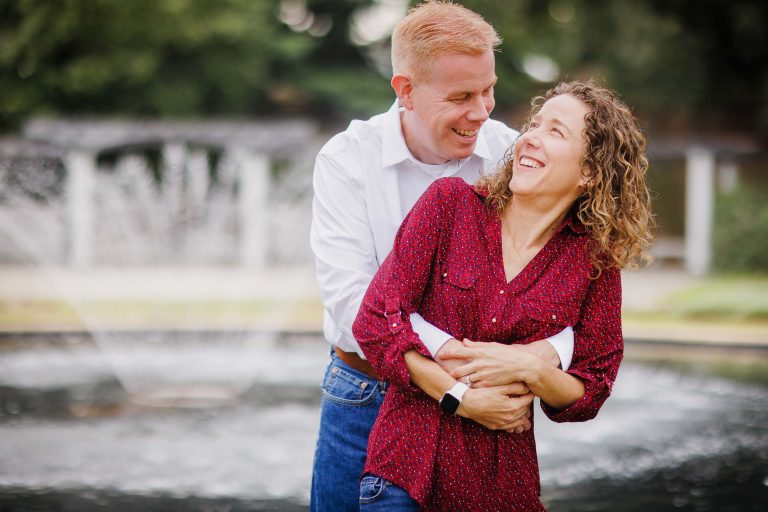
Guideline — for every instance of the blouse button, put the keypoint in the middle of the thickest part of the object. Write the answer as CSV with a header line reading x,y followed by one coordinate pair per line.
x,y
501,292
554,317
394,324
445,275
493,319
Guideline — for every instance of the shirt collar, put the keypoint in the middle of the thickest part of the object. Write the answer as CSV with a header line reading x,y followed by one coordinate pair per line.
x,y
394,149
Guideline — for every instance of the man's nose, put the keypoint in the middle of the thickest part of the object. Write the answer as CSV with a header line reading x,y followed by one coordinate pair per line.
x,y
479,109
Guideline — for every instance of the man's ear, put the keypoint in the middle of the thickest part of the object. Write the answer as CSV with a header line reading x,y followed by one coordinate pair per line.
x,y
403,87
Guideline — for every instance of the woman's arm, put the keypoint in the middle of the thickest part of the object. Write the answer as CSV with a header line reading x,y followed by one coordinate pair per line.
x,y
382,327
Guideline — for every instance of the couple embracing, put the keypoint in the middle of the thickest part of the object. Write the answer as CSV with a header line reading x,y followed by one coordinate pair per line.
x,y
466,268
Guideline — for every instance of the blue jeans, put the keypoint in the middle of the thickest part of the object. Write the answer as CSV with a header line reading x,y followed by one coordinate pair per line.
x,y
350,403
380,495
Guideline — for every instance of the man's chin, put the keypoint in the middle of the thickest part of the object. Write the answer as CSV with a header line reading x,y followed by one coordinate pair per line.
x,y
462,153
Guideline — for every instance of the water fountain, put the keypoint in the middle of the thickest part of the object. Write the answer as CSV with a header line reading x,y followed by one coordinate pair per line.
x,y
149,205
78,433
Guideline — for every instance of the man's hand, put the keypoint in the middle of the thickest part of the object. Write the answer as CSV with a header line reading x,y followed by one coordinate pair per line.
x,y
449,364
496,364
492,364
544,350
499,408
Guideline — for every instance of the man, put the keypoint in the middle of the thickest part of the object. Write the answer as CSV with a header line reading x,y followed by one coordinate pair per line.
x,y
366,179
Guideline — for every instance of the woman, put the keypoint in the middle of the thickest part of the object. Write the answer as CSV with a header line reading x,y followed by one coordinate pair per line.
x,y
527,252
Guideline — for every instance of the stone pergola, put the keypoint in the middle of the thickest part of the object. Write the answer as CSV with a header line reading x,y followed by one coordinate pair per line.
x,y
252,146
709,162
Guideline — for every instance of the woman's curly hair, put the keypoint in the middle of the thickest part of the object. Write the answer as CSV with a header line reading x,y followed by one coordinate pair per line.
x,y
615,206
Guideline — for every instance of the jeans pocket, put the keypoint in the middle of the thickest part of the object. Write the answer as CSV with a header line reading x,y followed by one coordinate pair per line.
x,y
371,488
343,387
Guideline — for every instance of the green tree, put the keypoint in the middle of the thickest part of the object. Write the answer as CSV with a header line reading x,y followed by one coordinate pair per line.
x,y
176,58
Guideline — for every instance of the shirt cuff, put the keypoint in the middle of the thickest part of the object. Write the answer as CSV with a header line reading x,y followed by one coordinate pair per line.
x,y
563,343
432,337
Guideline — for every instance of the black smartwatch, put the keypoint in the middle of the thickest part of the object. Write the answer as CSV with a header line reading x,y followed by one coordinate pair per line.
x,y
452,398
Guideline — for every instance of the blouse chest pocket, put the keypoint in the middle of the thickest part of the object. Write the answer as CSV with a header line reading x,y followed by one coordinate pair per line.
x,y
457,277
554,313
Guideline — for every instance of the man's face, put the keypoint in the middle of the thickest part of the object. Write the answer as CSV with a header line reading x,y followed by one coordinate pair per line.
x,y
448,106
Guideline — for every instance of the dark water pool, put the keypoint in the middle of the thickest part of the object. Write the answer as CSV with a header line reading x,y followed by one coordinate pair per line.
x,y
73,441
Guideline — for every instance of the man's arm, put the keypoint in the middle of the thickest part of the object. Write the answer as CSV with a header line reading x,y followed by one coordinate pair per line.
x,y
345,254
343,245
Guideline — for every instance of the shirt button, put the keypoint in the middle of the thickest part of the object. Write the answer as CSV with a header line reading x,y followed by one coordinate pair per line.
x,y
364,385
445,275
501,292
335,370
554,317
394,325
493,319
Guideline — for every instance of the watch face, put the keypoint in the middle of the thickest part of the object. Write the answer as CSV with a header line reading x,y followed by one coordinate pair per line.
x,y
449,403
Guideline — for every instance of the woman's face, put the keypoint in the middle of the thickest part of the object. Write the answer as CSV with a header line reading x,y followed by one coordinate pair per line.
x,y
548,156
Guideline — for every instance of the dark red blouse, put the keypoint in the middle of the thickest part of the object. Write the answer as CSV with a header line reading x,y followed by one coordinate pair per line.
x,y
446,263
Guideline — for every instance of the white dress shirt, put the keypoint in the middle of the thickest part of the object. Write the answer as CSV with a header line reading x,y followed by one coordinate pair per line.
x,y
365,182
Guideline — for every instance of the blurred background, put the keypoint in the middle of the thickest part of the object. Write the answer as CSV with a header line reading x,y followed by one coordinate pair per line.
x,y
160,343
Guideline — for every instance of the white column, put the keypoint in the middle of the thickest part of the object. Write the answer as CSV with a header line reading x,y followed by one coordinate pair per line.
x,y
254,171
699,209
728,176
81,173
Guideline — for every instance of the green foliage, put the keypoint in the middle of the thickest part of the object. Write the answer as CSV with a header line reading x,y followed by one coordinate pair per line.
x,y
679,63
688,63
741,225
172,58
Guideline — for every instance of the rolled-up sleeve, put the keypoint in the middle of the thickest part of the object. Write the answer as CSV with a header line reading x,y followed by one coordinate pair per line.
x,y
598,349
383,327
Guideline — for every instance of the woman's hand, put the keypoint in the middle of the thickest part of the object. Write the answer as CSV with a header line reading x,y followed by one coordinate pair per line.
x,y
499,408
491,364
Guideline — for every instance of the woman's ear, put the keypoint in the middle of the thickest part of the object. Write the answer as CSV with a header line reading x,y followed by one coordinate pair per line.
x,y
403,89
587,180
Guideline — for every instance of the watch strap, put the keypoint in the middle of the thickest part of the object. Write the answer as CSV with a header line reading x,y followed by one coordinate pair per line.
x,y
452,398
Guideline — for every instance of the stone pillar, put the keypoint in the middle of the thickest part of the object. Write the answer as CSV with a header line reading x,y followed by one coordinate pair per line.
x,y
174,156
699,209
81,173
254,169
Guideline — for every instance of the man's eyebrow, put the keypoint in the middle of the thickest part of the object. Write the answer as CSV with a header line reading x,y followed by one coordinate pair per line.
x,y
461,92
